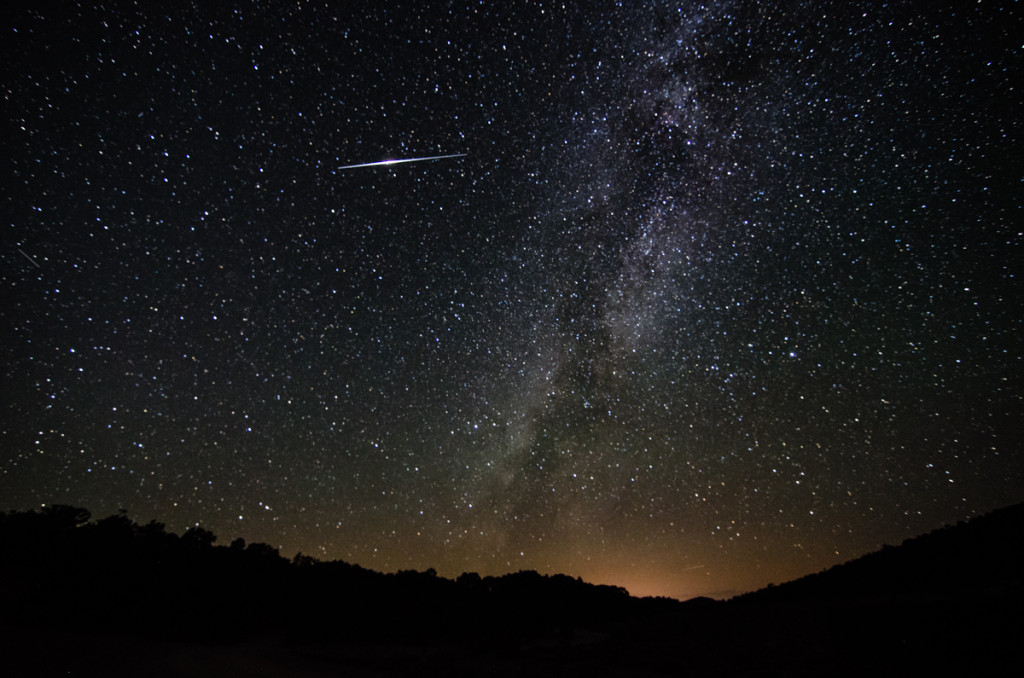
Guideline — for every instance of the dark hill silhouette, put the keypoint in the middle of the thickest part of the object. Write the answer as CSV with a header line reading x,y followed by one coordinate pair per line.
x,y
111,597
977,558
946,601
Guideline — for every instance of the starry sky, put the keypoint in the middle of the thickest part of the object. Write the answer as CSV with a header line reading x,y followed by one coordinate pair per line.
x,y
719,294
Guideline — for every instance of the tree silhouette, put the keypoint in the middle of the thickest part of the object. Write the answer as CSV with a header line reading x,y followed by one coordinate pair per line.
x,y
263,551
953,591
198,536
63,517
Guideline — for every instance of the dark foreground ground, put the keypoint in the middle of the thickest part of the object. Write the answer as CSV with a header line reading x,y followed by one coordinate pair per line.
x,y
113,598
721,639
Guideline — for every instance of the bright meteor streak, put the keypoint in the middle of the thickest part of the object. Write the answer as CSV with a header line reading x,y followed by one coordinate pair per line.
x,y
396,162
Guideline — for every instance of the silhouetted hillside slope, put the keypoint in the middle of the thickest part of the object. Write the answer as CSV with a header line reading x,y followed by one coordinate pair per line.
x,y
981,557
948,600
111,597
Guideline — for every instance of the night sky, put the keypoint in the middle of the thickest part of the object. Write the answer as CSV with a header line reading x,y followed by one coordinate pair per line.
x,y
719,294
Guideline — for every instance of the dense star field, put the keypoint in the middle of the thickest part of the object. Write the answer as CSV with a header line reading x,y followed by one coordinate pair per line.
x,y
719,293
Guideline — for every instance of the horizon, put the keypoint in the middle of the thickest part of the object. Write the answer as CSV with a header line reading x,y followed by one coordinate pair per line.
x,y
680,298
637,587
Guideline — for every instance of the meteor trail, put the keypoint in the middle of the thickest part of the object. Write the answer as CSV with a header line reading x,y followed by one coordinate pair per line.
x,y
396,162
29,258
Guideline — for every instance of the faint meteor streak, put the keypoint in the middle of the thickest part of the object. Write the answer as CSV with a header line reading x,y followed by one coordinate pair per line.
x,y
34,263
396,162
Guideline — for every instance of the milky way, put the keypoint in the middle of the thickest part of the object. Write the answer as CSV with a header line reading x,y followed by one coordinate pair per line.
x,y
714,295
